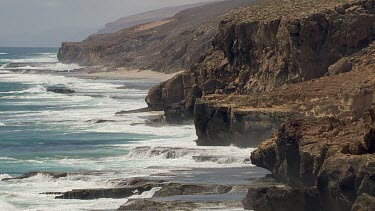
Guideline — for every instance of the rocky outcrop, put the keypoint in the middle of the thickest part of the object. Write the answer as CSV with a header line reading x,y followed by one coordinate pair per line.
x,y
114,193
246,120
334,155
267,45
53,175
60,90
223,125
280,198
148,204
168,45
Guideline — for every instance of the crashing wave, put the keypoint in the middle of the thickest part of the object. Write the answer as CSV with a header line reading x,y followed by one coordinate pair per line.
x,y
162,152
216,155
146,194
4,176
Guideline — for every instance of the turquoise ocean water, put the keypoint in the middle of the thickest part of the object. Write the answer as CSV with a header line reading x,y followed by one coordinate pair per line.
x,y
46,131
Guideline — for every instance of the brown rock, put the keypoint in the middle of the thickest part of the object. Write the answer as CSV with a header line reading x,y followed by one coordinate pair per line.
x,y
282,199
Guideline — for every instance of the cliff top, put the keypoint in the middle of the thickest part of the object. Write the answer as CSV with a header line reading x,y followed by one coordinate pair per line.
x,y
272,9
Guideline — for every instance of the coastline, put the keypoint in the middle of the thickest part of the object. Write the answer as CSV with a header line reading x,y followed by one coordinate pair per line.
x,y
187,178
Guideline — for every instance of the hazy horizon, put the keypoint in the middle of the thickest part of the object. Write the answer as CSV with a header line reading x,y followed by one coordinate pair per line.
x,y
47,23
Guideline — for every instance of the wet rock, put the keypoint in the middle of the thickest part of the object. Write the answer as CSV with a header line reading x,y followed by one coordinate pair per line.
x,y
60,90
141,110
54,175
149,204
173,189
114,193
282,199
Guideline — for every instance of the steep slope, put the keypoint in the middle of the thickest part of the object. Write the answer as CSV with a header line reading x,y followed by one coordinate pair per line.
x,y
269,44
167,46
147,17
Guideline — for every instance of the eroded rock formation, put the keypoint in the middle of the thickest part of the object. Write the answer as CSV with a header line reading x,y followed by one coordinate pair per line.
x,y
265,46
310,64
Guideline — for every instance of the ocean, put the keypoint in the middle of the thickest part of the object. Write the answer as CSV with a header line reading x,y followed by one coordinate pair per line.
x,y
79,133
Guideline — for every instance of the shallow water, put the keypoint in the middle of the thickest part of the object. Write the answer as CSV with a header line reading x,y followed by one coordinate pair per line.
x,y
46,131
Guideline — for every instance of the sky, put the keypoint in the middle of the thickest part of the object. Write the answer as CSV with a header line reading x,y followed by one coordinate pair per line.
x,y
47,23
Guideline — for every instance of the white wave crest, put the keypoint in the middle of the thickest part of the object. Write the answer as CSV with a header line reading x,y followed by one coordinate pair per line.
x,y
2,125
33,90
3,53
4,176
147,194
6,158
219,155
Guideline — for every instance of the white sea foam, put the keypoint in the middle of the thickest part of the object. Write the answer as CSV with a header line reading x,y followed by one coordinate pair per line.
x,y
7,206
4,176
51,65
146,194
2,125
3,53
93,101
6,158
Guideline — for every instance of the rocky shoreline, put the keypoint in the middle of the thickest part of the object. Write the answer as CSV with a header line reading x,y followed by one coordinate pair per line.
x,y
303,71
297,79
176,191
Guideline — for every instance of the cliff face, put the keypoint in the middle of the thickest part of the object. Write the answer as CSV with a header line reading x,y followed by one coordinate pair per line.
x,y
309,65
272,43
245,120
336,156
168,45
280,42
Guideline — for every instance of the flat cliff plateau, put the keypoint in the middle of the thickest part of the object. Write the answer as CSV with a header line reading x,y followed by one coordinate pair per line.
x,y
297,79
168,45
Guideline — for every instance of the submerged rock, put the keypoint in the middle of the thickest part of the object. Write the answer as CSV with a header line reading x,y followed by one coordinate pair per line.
x,y
54,175
114,193
149,204
60,90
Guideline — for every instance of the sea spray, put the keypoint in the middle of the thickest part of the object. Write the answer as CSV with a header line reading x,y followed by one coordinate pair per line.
x,y
146,194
